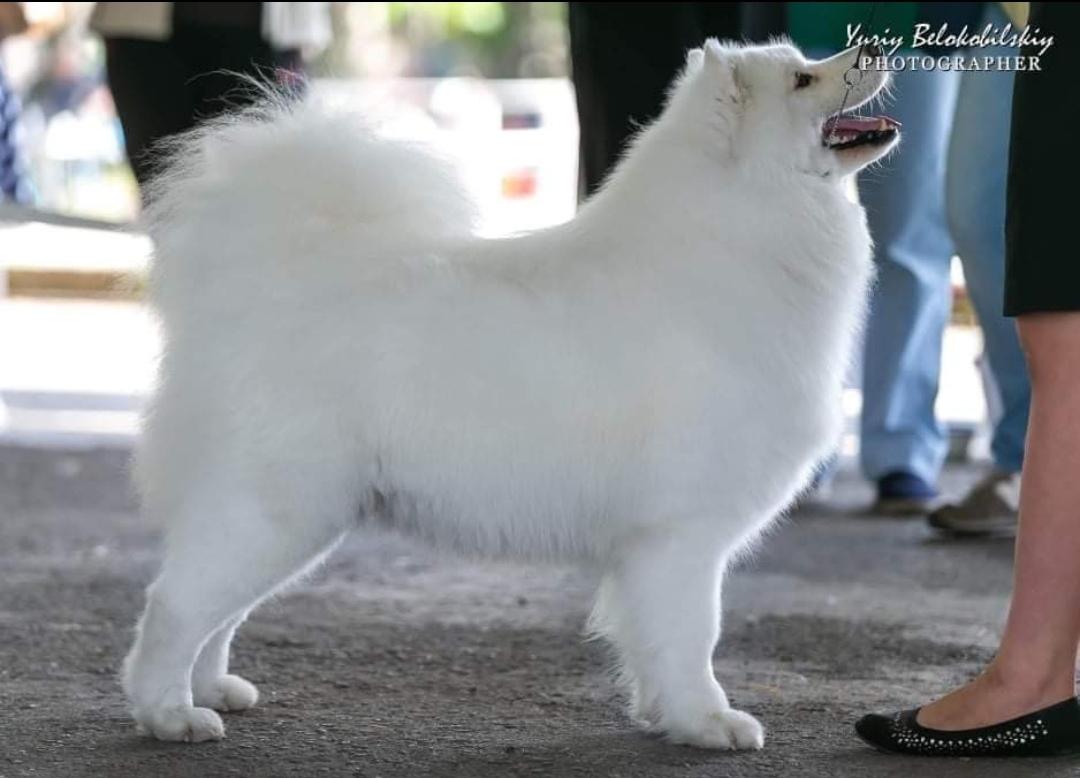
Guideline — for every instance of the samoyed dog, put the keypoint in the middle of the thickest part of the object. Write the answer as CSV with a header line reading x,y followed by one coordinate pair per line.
x,y
641,390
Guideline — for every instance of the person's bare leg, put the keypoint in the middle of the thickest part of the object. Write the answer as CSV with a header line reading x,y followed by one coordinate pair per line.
x,y
1035,664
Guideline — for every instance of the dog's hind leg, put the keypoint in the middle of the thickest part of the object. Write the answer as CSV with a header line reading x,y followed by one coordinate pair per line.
x,y
212,686
217,567
660,605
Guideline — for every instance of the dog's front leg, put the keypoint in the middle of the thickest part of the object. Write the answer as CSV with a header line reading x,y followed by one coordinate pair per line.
x,y
660,605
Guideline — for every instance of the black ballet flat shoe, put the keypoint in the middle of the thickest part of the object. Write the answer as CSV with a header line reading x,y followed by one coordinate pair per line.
x,y
1052,731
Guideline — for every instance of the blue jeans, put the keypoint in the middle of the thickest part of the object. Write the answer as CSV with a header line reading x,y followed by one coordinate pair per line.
x,y
975,202
910,304
907,203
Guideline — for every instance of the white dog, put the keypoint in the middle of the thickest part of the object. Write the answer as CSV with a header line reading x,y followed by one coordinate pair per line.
x,y
641,389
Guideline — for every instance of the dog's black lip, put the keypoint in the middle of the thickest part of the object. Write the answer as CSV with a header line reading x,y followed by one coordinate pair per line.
x,y
870,138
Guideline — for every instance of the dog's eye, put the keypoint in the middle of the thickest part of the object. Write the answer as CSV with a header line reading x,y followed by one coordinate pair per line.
x,y
803,80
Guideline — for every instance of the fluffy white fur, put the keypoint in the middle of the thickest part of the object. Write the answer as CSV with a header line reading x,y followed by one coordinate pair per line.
x,y
641,389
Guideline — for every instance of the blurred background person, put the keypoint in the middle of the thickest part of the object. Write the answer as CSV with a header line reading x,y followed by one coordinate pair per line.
x,y
955,128
14,182
975,183
623,57
902,445
171,65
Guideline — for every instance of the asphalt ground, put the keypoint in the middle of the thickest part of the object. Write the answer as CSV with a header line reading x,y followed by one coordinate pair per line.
x,y
396,661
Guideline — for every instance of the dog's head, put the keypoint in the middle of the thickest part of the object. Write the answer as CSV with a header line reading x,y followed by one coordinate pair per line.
x,y
768,106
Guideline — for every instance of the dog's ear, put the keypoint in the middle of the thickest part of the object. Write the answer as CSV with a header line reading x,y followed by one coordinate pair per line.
x,y
721,63
694,58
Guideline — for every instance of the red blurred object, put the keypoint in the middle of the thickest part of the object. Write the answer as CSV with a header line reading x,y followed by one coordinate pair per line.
x,y
519,183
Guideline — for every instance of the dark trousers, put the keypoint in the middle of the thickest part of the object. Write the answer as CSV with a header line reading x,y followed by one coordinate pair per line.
x,y
165,87
625,56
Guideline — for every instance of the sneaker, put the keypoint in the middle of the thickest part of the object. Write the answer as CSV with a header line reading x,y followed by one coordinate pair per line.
x,y
992,506
901,493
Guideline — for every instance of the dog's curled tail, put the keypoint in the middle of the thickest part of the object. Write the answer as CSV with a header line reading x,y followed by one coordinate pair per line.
x,y
291,190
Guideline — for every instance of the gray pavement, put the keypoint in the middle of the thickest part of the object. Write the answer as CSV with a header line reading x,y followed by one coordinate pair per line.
x,y
394,661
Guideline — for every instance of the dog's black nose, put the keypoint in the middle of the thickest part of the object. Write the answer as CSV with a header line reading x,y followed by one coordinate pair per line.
x,y
871,50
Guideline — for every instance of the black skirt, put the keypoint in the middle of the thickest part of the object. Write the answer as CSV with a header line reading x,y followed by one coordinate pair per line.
x,y
1043,218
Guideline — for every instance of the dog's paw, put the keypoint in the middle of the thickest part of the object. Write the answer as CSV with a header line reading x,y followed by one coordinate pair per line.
x,y
182,724
724,729
226,693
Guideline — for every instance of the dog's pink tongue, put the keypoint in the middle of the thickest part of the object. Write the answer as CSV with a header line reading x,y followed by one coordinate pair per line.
x,y
861,124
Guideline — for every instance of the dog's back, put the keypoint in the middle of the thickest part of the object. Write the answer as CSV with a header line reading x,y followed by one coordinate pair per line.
x,y
285,194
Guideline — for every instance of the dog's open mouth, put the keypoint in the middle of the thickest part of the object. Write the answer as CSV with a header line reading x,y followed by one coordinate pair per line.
x,y
849,132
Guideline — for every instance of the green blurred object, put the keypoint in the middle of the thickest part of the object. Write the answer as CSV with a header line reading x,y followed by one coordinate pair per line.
x,y
825,25
438,40
495,40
